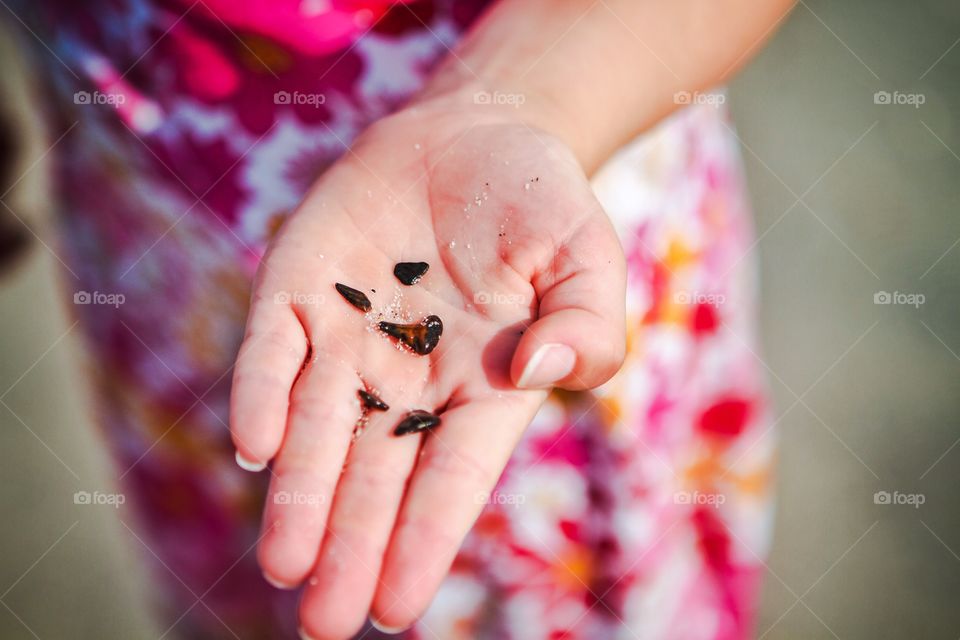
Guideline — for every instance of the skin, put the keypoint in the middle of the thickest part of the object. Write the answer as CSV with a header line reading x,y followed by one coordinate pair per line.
x,y
496,198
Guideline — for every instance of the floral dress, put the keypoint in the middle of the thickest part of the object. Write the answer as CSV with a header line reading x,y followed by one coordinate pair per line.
x,y
639,510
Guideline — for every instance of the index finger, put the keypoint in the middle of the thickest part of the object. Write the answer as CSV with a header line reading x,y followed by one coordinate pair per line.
x,y
461,463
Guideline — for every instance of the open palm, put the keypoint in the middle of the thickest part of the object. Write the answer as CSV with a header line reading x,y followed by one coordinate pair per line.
x,y
527,276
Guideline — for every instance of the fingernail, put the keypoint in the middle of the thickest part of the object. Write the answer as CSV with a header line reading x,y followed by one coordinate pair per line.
x,y
276,583
550,363
303,634
249,465
382,628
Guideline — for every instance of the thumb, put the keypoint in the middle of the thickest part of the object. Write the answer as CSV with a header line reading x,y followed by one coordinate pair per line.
x,y
578,340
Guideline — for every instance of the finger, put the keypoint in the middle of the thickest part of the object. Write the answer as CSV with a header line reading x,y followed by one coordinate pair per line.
x,y
337,601
323,411
578,340
270,358
459,466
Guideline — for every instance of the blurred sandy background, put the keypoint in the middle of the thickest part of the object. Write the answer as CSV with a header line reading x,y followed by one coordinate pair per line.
x,y
852,198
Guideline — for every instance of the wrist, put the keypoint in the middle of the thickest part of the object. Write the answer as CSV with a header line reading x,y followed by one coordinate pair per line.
x,y
502,99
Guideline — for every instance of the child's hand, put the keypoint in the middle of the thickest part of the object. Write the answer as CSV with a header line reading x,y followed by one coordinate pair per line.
x,y
527,276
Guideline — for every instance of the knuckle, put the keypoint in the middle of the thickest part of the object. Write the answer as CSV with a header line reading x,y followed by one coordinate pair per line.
x,y
298,471
376,476
275,338
247,377
314,409
457,468
304,411
429,530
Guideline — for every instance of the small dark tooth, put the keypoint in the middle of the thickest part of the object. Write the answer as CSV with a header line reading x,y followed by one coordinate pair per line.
x,y
410,272
371,401
415,422
421,337
354,297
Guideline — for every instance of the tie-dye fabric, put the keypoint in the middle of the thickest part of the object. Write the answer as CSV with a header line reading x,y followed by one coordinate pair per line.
x,y
640,510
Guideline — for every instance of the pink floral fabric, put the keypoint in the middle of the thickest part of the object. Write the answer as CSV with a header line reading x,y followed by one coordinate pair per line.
x,y
639,510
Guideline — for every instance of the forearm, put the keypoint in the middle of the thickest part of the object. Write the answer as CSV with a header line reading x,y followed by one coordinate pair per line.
x,y
595,74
